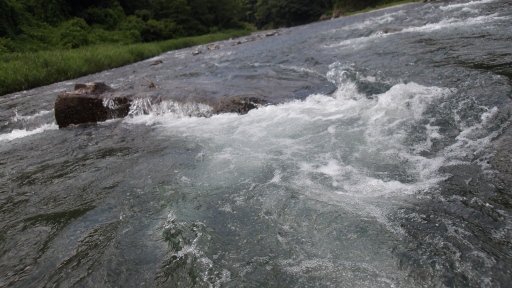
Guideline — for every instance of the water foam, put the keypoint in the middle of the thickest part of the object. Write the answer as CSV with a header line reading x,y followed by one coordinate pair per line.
x,y
19,118
374,21
430,27
146,106
20,133
454,22
343,144
321,137
465,5
303,187
359,155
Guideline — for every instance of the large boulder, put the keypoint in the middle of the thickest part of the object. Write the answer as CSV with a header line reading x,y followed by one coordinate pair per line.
x,y
89,103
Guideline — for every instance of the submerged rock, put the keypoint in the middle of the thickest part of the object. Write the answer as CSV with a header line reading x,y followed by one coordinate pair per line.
x,y
89,103
240,105
157,62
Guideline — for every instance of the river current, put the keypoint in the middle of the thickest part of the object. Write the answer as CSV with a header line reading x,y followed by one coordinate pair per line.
x,y
382,160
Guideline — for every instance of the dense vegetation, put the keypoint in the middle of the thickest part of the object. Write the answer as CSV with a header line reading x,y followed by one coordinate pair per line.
x,y
41,41
34,25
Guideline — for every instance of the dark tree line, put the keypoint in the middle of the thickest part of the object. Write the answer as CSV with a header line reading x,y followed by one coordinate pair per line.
x,y
73,23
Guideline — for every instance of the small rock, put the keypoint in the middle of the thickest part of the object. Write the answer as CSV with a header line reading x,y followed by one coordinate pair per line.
x,y
391,30
213,47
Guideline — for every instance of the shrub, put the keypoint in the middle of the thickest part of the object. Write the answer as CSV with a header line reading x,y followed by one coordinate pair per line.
x,y
99,36
214,29
104,17
74,33
144,14
6,45
152,31
161,30
132,23
107,18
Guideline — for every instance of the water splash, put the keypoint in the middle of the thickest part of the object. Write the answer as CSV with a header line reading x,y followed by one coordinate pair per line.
x,y
20,133
147,106
355,152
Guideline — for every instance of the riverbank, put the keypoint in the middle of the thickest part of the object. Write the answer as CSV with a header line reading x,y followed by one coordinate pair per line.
x,y
22,71
27,70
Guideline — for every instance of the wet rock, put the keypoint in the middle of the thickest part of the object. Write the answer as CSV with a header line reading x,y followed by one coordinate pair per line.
x,y
255,38
240,105
151,84
96,102
89,103
391,30
213,47
95,88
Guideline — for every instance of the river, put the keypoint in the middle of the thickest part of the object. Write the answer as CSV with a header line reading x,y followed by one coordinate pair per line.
x,y
382,160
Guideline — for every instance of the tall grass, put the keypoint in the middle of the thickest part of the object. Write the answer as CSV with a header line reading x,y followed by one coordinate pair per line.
x,y
21,71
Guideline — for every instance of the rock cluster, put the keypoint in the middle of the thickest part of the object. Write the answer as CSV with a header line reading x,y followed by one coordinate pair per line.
x,y
251,38
255,37
96,102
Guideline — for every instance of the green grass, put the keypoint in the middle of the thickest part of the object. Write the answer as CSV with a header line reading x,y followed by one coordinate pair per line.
x,y
381,6
22,71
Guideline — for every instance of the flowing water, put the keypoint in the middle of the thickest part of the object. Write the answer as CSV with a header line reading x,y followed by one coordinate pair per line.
x,y
383,161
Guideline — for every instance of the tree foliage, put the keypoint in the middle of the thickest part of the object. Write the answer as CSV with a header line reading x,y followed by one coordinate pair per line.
x,y
43,24
8,20
73,33
278,13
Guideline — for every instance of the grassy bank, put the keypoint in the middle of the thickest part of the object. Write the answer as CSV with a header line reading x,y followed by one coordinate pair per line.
x,y
21,71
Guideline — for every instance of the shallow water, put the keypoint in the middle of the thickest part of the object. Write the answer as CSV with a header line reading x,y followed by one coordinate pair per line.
x,y
382,161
